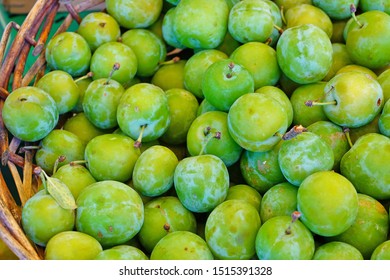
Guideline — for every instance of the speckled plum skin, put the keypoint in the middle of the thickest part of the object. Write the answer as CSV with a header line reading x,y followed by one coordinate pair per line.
x,y
304,53
109,211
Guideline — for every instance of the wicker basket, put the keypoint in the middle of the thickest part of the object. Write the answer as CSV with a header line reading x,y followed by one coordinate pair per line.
x,y
30,40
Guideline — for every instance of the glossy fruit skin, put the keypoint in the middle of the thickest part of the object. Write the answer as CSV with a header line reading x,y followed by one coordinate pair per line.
x,y
384,120
72,245
253,121
111,157
167,32
304,155
30,113
382,252
231,230
134,13
107,55
170,76
153,171
144,104
164,215
359,99
181,245
122,252
59,143
273,243
69,52
370,228
98,28
225,147
261,170
367,165
336,9
337,250
43,217
201,24
304,53
245,193
366,45
109,211
330,214
201,182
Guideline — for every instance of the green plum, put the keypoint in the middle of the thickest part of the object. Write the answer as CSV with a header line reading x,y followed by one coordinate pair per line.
x,y
114,60
279,200
284,238
231,230
366,165
153,171
336,9
143,112
328,203
255,122
196,66
358,68
61,86
337,250
149,49
280,96
261,170
80,125
42,218
351,99
68,51
98,28
109,211
340,59
260,60
100,103
72,245
224,81
304,53
368,5
307,13
204,107
170,75
209,134
30,113
122,252
183,107
335,136
168,34
384,120
82,83
75,176
365,40
369,229
201,182
251,21
382,252
59,143
338,31
302,114
111,157
287,4
201,23
384,81
228,45
164,215
304,154
134,13
246,193
181,245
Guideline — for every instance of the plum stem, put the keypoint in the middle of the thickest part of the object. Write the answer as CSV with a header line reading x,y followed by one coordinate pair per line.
x,y
77,162
353,12
209,134
171,61
138,142
86,76
174,51
115,67
348,136
294,217
280,30
60,159
294,131
282,15
230,72
311,103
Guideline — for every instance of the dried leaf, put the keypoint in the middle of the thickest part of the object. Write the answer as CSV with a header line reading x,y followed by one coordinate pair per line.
x,y
61,193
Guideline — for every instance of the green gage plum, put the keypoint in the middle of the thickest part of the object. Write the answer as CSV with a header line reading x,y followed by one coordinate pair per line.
x,y
255,120
201,23
328,203
109,211
384,120
122,252
337,251
69,52
304,53
382,252
246,193
336,9
170,74
201,182
30,113
231,230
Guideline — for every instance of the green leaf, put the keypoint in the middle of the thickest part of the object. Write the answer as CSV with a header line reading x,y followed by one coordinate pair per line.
x,y
61,193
